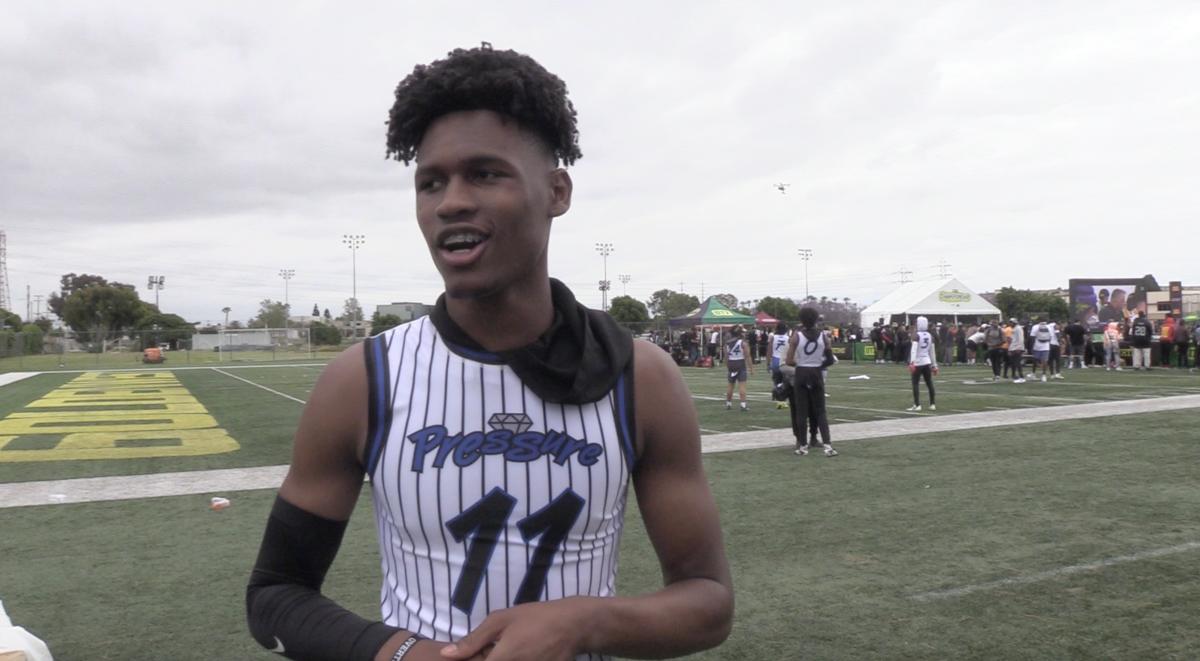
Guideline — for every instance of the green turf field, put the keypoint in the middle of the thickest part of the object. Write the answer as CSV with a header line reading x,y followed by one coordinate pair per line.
x,y
974,544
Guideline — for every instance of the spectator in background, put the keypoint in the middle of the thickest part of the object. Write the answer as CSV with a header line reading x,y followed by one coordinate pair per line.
x,y
888,333
945,344
1016,351
1181,344
1041,335
1076,337
995,342
1055,351
960,343
1166,341
1112,347
1140,333
779,344
975,343
1196,342
764,341
714,340
900,352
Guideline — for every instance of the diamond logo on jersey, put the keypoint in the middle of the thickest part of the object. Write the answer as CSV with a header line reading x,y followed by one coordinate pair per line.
x,y
517,423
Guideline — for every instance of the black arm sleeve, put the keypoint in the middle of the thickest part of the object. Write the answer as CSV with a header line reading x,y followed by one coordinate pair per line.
x,y
284,606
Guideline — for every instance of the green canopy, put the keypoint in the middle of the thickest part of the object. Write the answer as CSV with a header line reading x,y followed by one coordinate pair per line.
x,y
711,313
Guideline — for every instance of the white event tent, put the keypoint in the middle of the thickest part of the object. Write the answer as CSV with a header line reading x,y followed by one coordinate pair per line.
x,y
932,298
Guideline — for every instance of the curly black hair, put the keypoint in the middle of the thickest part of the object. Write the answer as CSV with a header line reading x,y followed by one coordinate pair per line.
x,y
505,82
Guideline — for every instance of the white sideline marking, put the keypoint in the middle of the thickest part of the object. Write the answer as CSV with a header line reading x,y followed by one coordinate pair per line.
x,y
175,369
1054,573
257,385
21,494
13,377
758,427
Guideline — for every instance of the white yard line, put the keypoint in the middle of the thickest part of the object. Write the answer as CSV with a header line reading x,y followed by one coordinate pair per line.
x,y
20,494
257,385
1054,573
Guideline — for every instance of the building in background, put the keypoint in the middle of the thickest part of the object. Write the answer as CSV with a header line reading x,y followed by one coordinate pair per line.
x,y
405,311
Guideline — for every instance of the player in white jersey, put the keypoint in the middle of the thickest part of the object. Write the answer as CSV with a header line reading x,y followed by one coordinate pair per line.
x,y
1042,335
736,364
809,354
499,434
922,364
782,388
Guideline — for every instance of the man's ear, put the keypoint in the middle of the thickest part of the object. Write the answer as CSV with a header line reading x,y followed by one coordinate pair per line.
x,y
561,187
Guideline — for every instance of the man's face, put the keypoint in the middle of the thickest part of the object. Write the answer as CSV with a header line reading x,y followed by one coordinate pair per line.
x,y
486,192
1118,300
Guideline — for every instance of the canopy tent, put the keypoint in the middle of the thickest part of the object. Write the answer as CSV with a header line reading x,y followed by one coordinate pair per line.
x,y
764,319
712,313
946,298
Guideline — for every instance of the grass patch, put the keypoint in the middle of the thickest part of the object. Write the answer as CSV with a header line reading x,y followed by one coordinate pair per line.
x,y
826,553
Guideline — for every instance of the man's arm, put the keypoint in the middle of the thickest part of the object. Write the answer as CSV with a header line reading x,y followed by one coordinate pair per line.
x,y
285,609
694,609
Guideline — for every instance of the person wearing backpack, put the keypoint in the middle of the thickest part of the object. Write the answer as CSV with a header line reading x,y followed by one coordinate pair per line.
x,y
1041,334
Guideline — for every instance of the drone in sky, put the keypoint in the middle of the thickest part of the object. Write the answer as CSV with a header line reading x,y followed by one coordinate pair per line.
x,y
782,188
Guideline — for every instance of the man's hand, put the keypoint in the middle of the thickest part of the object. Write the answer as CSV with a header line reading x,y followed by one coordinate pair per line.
x,y
542,631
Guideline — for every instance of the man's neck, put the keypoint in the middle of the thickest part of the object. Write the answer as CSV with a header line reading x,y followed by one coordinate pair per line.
x,y
509,320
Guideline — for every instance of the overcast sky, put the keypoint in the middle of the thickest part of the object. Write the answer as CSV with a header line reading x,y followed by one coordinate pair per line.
x,y
216,143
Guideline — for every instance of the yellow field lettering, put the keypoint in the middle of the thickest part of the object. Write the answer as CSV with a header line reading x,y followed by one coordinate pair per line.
x,y
157,417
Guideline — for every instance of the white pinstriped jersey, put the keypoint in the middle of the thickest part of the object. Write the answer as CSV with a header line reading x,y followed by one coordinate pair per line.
x,y
487,496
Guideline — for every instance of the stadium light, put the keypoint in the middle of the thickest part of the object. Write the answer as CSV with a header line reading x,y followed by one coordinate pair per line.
x,y
286,274
354,242
624,278
156,282
605,249
805,254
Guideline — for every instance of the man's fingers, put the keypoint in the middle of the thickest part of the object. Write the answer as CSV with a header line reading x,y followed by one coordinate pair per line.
x,y
475,642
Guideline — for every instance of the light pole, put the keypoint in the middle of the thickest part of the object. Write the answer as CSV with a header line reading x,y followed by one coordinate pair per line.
x,y
226,310
624,278
156,282
805,254
605,249
354,242
286,274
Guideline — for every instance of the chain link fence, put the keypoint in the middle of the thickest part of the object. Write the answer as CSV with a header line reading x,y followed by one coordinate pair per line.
x,y
21,351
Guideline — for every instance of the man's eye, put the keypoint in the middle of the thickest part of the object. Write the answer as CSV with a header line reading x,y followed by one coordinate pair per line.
x,y
487,175
429,185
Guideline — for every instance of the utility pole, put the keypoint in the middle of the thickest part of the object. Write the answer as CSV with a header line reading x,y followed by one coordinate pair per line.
x,y
354,242
156,282
805,255
28,305
905,275
605,249
624,278
37,306
286,274
943,269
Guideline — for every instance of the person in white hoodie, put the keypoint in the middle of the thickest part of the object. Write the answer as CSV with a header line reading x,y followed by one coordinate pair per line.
x,y
1016,351
922,363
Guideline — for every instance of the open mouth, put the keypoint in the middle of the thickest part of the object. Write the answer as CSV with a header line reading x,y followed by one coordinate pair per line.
x,y
463,247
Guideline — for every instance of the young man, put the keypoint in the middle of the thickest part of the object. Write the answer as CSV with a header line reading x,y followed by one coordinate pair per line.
x,y
1042,335
922,363
779,343
501,432
1016,351
1140,333
809,353
1076,339
737,361
995,341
